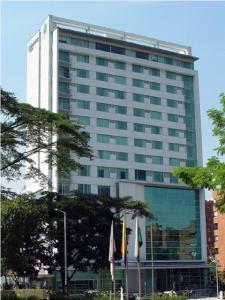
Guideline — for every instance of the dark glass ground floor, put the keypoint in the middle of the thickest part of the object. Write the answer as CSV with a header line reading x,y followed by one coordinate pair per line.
x,y
164,280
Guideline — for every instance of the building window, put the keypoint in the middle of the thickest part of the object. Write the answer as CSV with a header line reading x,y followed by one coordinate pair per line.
x,y
140,175
121,125
63,55
138,97
215,214
138,83
83,58
173,132
104,190
103,138
82,73
142,55
122,156
64,104
137,68
155,86
171,89
155,100
84,188
121,173
83,120
64,72
171,75
154,72
84,171
80,42
157,176
157,160
157,145
155,129
102,76
119,94
121,110
63,187
216,238
139,127
102,107
64,87
140,158
103,154
121,140
215,226
83,104
174,162
139,143
118,50
172,103
157,115
102,47
173,118
82,88
138,112
103,172
119,65
120,79
101,62
216,250
173,179
101,92
103,123
174,147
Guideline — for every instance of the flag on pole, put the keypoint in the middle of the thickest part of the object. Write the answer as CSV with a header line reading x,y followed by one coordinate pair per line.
x,y
138,240
124,242
112,250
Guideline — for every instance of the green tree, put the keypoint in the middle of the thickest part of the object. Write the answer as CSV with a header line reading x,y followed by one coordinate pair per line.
x,y
22,231
212,176
27,130
40,230
89,220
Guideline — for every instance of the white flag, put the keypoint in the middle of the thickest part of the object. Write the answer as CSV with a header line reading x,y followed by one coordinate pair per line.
x,y
111,253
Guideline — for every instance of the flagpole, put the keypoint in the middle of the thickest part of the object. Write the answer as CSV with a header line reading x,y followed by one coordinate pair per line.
x,y
112,260
139,279
124,254
152,257
127,285
138,240
114,283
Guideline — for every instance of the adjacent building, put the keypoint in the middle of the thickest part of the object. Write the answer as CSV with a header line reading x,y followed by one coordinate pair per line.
x,y
138,98
209,215
215,229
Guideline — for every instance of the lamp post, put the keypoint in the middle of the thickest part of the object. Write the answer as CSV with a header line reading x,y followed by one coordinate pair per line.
x,y
65,251
215,261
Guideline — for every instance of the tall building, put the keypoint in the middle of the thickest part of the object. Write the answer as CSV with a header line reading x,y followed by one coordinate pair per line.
x,y
138,98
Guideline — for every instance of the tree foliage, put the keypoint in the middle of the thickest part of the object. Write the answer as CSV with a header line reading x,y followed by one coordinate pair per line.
x,y
40,230
22,231
28,130
212,176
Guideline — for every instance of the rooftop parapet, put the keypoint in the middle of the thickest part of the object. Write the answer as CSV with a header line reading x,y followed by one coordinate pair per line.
x,y
120,35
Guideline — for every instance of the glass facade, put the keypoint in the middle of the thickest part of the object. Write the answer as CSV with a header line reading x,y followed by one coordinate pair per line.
x,y
176,224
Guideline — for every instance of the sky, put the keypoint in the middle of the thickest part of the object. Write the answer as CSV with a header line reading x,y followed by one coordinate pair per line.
x,y
200,25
